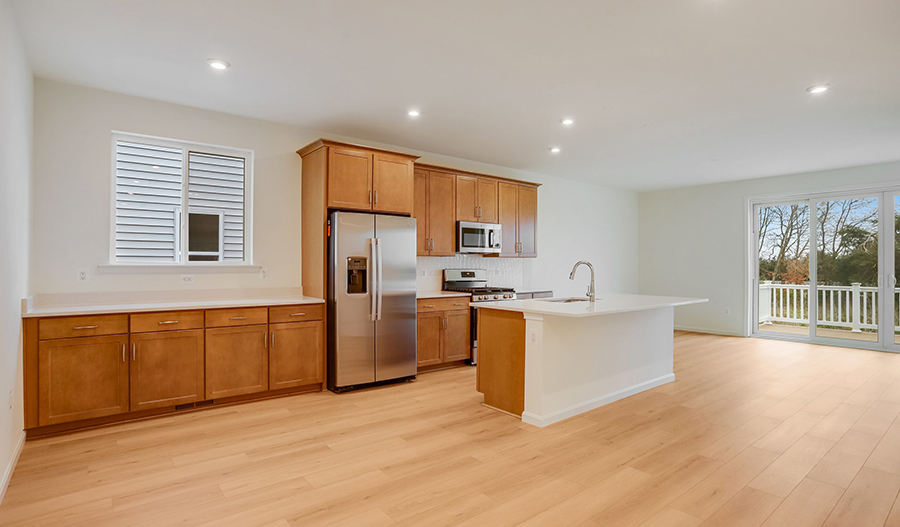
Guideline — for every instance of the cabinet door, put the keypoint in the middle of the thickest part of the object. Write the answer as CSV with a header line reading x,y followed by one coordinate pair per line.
x,y
393,184
457,335
508,198
441,217
237,361
166,369
81,378
466,198
527,220
487,200
420,211
296,354
428,338
349,179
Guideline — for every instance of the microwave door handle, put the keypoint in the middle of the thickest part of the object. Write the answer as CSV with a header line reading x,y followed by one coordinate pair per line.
x,y
373,280
380,277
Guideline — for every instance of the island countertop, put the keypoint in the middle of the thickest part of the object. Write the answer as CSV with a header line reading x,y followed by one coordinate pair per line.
x,y
606,304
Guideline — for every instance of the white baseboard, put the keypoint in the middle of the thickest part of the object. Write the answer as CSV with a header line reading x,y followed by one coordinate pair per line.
x,y
544,420
709,331
7,475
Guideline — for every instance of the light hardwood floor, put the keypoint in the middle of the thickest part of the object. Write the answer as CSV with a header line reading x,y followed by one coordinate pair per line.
x,y
752,433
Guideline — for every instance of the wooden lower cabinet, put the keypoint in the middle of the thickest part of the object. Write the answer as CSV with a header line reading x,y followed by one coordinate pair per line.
x,y
167,369
237,361
443,336
296,352
428,338
82,378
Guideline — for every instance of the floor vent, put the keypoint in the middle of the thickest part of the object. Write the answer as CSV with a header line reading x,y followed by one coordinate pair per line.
x,y
184,406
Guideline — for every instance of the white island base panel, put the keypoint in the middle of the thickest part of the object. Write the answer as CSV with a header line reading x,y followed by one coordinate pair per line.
x,y
573,365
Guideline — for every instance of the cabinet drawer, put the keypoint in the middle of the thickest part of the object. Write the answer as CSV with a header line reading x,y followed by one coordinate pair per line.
x,y
300,313
430,305
169,321
88,326
247,316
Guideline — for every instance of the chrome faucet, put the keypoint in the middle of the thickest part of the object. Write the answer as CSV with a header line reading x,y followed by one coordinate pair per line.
x,y
590,291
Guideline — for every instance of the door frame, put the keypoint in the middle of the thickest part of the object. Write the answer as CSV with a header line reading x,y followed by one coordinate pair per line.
x,y
885,258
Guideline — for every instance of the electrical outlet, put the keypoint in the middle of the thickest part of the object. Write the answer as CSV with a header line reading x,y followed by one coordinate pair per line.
x,y
187,279
727,310
10,399
424,273
263,273
84,275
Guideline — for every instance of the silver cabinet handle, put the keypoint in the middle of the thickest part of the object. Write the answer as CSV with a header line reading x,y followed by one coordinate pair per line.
x,y
376,197
238,318
370,196
427,306
168,322
123,352
266,339
85,327
272,344
133,351
298,314
459,304
444,322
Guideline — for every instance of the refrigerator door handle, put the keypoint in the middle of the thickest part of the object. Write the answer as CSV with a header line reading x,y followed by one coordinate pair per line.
x,y
373,280
380,276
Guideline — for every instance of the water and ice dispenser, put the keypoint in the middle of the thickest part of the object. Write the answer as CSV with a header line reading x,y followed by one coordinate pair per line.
x,y
357,282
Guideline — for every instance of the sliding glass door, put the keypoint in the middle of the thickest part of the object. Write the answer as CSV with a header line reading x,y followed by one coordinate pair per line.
x,y
825,270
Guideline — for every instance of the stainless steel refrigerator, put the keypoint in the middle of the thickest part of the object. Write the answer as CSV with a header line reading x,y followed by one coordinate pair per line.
x,y
371,299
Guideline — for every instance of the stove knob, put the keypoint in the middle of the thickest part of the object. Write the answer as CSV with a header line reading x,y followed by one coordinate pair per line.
x,y
496,296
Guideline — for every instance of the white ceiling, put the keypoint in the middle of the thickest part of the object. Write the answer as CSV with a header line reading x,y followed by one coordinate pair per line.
x,y
665,92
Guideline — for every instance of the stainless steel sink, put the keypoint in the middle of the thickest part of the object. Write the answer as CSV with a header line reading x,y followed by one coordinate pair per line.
x,y
566,300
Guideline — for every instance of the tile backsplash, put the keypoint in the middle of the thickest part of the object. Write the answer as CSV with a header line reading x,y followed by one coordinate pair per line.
x,y
502,272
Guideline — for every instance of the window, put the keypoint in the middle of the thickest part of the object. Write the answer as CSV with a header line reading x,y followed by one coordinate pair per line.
x,y
154,184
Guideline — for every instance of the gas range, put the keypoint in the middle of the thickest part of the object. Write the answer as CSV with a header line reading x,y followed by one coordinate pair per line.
x,y
474,281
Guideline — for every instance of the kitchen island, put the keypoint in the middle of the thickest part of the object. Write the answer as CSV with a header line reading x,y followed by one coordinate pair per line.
x,y
548,360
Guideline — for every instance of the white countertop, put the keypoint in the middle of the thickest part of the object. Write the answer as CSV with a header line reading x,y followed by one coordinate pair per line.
x,y
606,304
440,294
52,311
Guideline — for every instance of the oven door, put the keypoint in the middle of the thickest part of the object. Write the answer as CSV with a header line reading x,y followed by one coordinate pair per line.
x,y
478,238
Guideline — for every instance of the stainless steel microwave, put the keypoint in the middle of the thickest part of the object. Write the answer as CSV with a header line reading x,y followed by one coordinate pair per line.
x,y
479,238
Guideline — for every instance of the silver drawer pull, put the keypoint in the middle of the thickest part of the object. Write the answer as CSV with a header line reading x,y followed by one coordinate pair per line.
x,y
427,306
298,314
168,322
458,304
85,327
238,318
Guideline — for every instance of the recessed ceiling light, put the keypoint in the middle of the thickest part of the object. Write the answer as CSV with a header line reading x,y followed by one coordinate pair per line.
x,y
555,149
155,167
818,88
413,113
568,121
218,64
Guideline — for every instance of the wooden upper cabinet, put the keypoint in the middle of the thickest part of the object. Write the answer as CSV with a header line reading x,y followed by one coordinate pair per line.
x,y
466,198
296,353
420,211
166,368
487,200
350,179
441,217
527,221
434,211
81,378
507,214
392,184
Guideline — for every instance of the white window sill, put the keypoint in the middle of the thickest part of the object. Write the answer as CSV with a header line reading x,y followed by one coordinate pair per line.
x,y
138,268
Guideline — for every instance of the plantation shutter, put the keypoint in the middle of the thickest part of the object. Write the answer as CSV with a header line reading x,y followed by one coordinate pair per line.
x,y
148,202
216,185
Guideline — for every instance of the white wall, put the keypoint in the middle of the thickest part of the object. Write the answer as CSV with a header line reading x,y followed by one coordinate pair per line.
x,y
72,199
693,240
15,219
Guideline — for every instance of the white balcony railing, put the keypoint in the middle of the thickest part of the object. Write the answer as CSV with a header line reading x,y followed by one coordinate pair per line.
x,y
852,306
